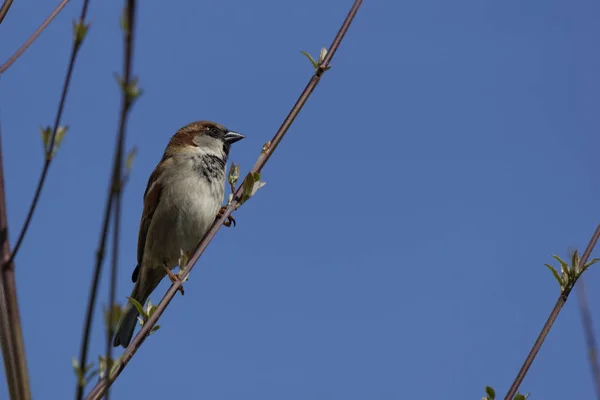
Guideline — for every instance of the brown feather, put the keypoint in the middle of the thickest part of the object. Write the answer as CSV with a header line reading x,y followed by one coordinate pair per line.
x,y
151,200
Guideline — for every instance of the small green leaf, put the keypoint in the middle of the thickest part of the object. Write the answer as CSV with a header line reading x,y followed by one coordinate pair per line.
x,y
79,31
111,325
102,363
123,20
519,396
575,260
46,133
154,329
247,186
151,312
312,60
491,393
132,91
80,373
322,55
149,309
257,183
234,175
250,185
589,263
60,134
115,365
109,366
556,275
138,307
564,267
129,160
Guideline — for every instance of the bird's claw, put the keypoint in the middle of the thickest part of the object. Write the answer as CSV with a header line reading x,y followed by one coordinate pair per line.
x,y
230,220
174,278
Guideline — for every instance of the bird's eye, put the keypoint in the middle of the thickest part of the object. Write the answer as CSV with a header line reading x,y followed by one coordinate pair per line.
x,y
213,131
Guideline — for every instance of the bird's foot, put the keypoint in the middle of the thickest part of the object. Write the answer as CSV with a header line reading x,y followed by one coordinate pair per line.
x,y
174,279
230,220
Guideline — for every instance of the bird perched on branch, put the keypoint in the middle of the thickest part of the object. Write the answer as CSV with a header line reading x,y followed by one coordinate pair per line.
x,y
182,199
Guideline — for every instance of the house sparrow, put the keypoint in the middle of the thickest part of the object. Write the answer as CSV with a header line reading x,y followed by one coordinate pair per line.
x,y
182,199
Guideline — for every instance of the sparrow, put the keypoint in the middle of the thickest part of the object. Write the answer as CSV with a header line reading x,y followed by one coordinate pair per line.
x,y
182,199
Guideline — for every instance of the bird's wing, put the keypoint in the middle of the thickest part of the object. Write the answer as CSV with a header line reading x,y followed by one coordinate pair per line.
x,y
151,200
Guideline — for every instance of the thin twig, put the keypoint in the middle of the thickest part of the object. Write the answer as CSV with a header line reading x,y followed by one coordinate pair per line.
x,y
548,325
117,184
39,30
113,285
590,337
4,9
93,292
50,148
11,334
114,197
101,387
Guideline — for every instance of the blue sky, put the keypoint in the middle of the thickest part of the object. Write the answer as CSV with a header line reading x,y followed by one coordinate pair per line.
x,y
397,249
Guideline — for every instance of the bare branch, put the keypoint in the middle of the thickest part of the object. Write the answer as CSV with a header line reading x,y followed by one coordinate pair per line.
x,y
4,9
114,198
117,184
264,156
11,335
548,325
77,41
39,30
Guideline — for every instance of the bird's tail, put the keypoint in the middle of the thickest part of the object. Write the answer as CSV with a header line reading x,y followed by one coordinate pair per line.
x,y
126,326
130,314
144,286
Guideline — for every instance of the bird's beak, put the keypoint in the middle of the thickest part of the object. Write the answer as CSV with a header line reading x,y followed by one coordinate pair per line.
x,y
232,137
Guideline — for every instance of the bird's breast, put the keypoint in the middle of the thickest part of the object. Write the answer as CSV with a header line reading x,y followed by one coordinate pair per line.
x,y
187,208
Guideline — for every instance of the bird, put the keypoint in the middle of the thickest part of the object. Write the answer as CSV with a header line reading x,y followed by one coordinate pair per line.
x,y
183,197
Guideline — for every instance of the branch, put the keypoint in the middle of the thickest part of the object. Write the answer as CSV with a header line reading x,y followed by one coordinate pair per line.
x,y
39,30
590,337
100,389
117,184
4,9
11,335
80,30
114,198
548,325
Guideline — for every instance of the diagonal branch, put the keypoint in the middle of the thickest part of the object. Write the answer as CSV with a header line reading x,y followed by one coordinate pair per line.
x,y
100,389
114,198
4,9
560,302
11,335
37,33
77,41
590,337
